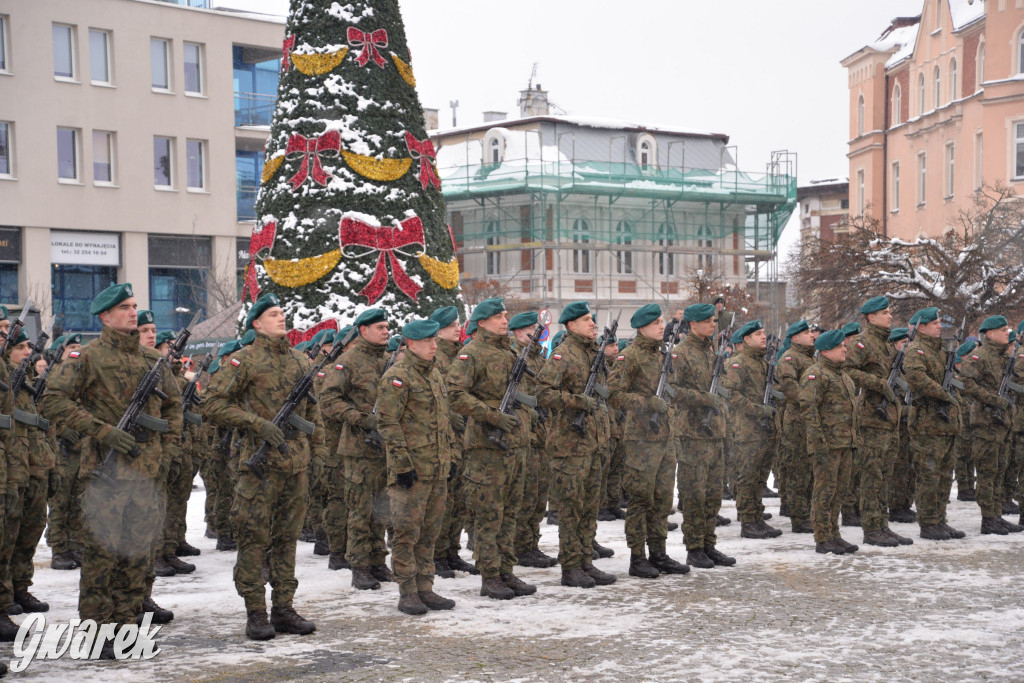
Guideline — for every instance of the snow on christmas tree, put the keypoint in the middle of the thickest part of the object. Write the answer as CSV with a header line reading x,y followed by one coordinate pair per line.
x,y
349,211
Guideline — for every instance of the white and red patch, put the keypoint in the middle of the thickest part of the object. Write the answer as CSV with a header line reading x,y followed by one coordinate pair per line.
x,y
557,357
76,354
463,356
788,358
319,374
674,356
735,365
811,377
860,345
920,352
397,382
236,362
339,366
620,358
976,357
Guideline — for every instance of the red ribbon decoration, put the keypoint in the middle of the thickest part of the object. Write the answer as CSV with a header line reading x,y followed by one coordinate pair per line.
x,y
299,336
327,145
258,241
424,151
355,233
369,42
286,48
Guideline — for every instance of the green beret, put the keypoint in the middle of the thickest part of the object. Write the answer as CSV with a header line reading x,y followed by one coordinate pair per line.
x,y
829,340
1020,328
110,297
302,346
471,328
393,343
420,329
265,302
749,328
445,316
925,316
994,322
521,320
850,329
165,337
146,318
782,349
874,305
342,333
557,339
230,347
1013,336
622,344
645,315
58,341
897,333
214,366
370,316
486,308
323,337
796,328
22,337
3,312
698,312
965,349
577,309
248,338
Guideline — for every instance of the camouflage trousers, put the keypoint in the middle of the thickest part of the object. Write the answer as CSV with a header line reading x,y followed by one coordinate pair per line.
x,y
536,482
851,498
933,461
831,479
317,503
220,480
25,515
335,509
903,482
751,478
267,518
367,501
732,466
798,473
161,519
575,488
875,455
120,523
416,516
449,538
64,524
648,480
616,468
494,492
1014,462
990,456
963,468
179,489
701,468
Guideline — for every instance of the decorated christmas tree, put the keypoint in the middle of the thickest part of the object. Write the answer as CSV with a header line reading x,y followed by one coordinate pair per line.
x,y
349,211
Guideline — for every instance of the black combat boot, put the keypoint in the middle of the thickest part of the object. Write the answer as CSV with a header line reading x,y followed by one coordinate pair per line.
x,y
532,558
381,573
900,540
460,565
722,521
160,615
337,561
641,568
966,495
605,515
827,547
434,601
363,579
107,649
257,626
752,530
8,629
602,551
321,546
29,602
553,517
851,518
575,577
880,538
410,603
768,493
848,547
770,530
15,609
934,532
953,533
307,535
210,533
226,543
600,578
287,620
989,525
517,585
672,526
179,566
552,561
783,510
1010,508
442,569
719,558
697,558
161,568
903,516
1010,526
79,555
185,549
666,565
618,512
803,528
63,560
493,588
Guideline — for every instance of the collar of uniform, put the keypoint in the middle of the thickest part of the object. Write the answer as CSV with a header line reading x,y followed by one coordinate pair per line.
x,y
368,348
120,340
933,343
447,348
693,340
646,343
830,364
412,360
881,332
500,340
281,345
581,341
805,350
751,351
995,349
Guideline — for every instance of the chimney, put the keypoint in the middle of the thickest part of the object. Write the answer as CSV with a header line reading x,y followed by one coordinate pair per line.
x,y
494,116
534,102
431,118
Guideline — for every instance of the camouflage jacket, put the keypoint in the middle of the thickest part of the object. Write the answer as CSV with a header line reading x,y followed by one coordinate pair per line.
x,y
1018,377
90,391
33,454
982,373
868,363
925,365
745,380
8,437
790,368
560,382
476,384
829,404
633,380
615,417
254,384
694,363
332,428
446,354
350,391
413,419
535,361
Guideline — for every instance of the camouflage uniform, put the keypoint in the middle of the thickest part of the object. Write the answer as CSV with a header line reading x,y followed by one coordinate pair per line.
x,y
617,454
751,441
931,436
793,456
1011,482
650,456
413,422
179,481
268,514
89,393
868,364
536,468
350,390
318,484
829,405
223,475
334,518
701,454
64,522
576,458
493,477
455,515
963,467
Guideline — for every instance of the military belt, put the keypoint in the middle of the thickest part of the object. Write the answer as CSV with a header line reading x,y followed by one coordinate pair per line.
x,y
193,419
5,422
31,419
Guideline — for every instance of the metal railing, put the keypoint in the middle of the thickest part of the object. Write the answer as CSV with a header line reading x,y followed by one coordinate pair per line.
x,y
254,109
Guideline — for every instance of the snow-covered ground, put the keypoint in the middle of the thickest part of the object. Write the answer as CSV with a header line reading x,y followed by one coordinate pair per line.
x,y
932,611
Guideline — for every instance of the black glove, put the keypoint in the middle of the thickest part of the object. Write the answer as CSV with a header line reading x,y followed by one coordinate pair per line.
x,y
369,423
507,423
587,403
452,469
406,479
458,422
120,440
657,404
270,432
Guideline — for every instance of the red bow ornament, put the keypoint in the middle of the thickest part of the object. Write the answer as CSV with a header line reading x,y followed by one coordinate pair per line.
x,y
424,151
369,42
262,238
355,233
327,145
299,336
286,48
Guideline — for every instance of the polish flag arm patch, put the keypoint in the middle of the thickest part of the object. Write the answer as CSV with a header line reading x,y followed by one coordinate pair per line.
x,y
557,357
788,358
735,365
236,362
397,382
859,345
339,366
976,357
811,377
920,352
620,358
76,354
319,374
463,356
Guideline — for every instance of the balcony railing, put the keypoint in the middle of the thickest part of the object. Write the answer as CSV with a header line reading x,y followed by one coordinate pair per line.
x,y
253,109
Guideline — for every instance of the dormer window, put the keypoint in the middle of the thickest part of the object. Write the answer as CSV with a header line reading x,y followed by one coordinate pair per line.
x,y
646,152
494,147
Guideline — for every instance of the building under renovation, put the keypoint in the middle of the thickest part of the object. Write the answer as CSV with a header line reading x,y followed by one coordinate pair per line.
x,y
556,208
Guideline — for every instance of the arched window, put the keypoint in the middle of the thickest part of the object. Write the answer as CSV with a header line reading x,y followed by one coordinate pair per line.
x,y
494,147
493,239
705,261
665,260
624,257
952,80
920,94
495,151
981,66
860,115
580,256
646,152
1020,53
897,104
937,77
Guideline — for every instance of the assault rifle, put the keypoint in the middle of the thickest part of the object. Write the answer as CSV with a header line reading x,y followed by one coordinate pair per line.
x,y
894,375
771,394
949,380
133,418
596,368
373,436
16,326
19,376
58,355
1007,384
190,394
512,395
669,340
716,379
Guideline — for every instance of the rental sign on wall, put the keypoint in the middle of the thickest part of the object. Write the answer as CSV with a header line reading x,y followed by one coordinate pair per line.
x,y
85,248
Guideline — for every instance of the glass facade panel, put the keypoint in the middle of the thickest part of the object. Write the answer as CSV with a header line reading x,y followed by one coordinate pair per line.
x,y
175,294
74,288
162,162
194,154
102,163
255,84
5,149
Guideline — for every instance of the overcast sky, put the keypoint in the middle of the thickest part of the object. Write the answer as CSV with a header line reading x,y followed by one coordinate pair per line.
x,y
765,73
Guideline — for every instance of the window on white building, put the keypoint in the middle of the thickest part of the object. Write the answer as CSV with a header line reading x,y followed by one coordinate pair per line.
x,y
646,152
493,239
99,56
102,157
953,80
624,257
895,199
1020,53
6,149
5,58
580,256
160,63
665,260
950,164
64,51
705,261
897,104
68,153
981,66
193,68
921,177
163,162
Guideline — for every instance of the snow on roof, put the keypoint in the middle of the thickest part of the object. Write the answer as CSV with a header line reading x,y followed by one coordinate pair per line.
x,y
901,39
583,121
256,9
964,12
